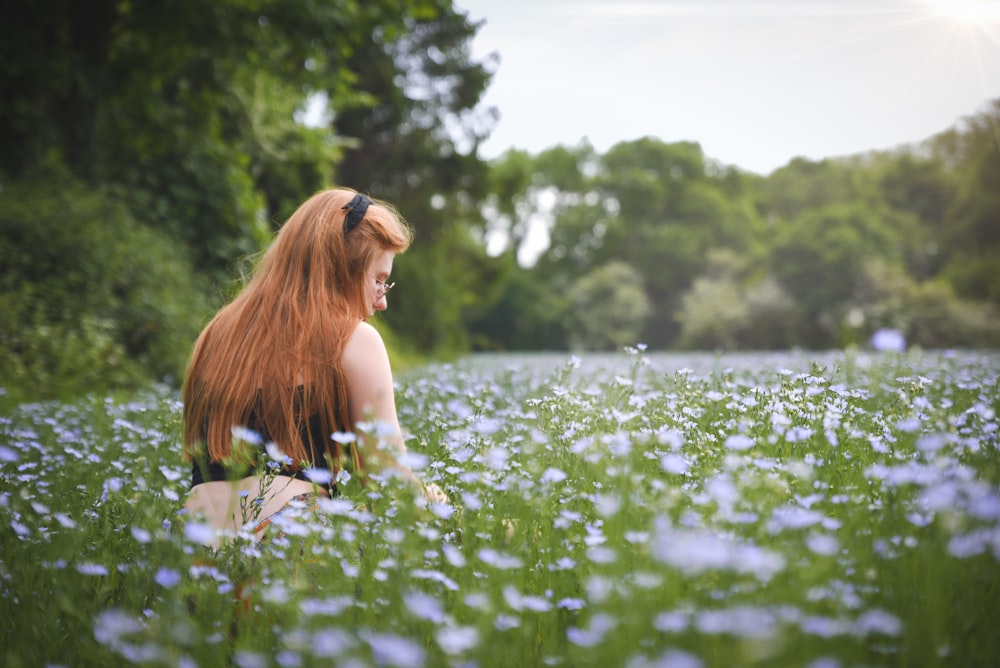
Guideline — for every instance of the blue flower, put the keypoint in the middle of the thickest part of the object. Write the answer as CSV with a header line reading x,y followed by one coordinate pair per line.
x,y
166,577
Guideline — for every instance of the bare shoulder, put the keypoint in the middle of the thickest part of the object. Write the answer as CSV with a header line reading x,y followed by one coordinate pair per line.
x,y
364,340
365,350
368,376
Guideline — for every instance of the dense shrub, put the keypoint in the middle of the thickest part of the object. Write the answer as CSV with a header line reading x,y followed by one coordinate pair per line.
x,y
610,307
89,299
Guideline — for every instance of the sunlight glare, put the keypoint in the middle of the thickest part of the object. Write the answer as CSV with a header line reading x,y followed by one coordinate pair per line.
x,y
982,13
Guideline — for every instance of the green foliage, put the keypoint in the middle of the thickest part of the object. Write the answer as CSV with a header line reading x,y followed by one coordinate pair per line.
x,y
715,510
771,321
609,307
929,313
529,313
656,207
922,188
803,185
714,310
724,310
819,259
411,128
90,299
972,239
821,253
438,286
190,119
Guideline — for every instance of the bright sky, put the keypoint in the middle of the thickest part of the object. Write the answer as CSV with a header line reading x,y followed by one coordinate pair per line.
x,y
755,82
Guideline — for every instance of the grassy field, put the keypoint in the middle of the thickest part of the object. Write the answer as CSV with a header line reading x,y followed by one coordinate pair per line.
x,y
629,510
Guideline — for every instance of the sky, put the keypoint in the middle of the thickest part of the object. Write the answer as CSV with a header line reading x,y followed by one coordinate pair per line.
x,y
754,82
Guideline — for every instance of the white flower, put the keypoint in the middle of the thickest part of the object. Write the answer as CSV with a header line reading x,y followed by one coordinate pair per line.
x,y
674,621
694,552
793,517
413,460
344,437
572,604
329,606
877,621
424,606
331,643
519,602
600,624
141,535
498,560
889,341
739,442
441,510
246,435
110,625
275,454
91,569
822,543
319,476
457,639
246,659
198,532
393,650
674,463
553,475
745,621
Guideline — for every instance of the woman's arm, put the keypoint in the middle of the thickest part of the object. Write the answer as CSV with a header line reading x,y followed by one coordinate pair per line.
x,y
371,397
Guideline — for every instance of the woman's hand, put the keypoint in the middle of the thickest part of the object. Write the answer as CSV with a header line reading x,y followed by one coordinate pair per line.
x,y
435,494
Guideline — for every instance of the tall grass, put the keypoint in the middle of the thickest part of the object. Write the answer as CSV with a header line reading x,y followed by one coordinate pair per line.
x,y
635,510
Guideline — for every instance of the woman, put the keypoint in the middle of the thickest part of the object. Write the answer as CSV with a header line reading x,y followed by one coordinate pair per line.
x,y
292,360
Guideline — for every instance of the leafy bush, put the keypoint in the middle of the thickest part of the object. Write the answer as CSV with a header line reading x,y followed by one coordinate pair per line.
x,y
929,313
610,307
89,299
712,313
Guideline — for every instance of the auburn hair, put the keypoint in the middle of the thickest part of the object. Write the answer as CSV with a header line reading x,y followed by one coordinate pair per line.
x,y
275,350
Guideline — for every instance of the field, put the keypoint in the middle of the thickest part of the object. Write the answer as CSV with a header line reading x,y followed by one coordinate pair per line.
x,y
823,510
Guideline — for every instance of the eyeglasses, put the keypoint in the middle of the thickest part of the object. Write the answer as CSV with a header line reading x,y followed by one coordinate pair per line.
x,y
384,287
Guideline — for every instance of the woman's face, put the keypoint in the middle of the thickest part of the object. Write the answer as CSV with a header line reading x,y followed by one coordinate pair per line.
x,y
376,281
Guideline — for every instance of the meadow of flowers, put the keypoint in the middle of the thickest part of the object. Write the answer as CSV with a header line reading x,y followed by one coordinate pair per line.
x,y
634,510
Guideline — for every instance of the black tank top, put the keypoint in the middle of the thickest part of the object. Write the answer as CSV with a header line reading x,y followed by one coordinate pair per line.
x,y
310,432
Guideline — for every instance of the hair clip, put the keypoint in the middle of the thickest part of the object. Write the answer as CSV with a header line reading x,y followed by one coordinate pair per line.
x,y
356,210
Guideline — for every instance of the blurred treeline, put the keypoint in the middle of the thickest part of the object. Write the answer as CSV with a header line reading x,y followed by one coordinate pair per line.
x,y
149,149
657,243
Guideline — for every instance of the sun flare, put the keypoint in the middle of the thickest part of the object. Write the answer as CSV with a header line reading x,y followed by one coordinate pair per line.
x,y
982,13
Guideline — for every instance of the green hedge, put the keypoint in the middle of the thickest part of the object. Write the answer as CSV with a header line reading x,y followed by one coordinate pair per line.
x,y
89,299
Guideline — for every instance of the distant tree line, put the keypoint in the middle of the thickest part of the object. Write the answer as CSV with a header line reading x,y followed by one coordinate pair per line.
x,y
656,243
150,149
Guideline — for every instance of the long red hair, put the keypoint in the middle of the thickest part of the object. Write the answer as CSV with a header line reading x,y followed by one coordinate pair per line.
x,y
276,349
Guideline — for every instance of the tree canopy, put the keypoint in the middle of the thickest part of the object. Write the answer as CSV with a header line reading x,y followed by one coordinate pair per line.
x,y
150,149
816,254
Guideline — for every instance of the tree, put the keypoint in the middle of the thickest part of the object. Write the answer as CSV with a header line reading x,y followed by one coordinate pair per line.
x,y
609,307
99,301
413,129
527,314
923,189
973,230
673,208
819,259
187,114
804,185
